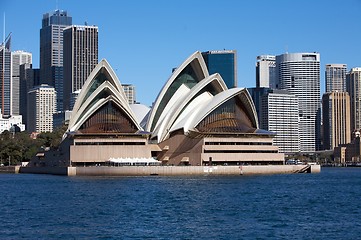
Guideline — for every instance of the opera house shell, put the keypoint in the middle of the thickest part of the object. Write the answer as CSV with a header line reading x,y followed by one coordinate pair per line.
x,y
195,120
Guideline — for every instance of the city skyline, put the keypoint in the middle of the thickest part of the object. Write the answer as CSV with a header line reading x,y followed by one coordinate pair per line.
x,y
144,33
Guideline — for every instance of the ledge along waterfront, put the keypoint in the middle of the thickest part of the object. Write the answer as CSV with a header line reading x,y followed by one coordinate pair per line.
x,y
172,170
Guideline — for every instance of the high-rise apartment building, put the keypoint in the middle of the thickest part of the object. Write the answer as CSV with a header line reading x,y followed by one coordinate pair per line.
x,y
223,62
5,77
353,85
335,77
336,119
279,114
41,107
129,90
51,50
18,58
80,58
299,73
266,71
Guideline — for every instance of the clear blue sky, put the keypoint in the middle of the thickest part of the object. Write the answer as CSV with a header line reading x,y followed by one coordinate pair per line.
x,y
143,40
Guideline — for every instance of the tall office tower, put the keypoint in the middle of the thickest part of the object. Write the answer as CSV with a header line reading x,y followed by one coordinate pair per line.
x,y
41,107
5,77
18,58
80,58
223,62
279,111
266,71
353,85
129,90
51,50
299,73
336,119
29,78
335,76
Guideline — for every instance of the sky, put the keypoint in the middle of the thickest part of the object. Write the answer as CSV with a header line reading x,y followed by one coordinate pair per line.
x,y
144,40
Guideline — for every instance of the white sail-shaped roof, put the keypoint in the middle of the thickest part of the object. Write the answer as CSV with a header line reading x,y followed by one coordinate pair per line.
x,y
190,72
190,95
101,87
194,119
214,83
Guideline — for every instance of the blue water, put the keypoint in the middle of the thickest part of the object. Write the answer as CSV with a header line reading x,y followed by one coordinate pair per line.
x,y
291,206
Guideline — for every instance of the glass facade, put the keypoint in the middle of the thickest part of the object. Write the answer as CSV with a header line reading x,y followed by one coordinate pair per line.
x,y
101,77
5,78
110,118
230,116
51,51
224,63
335,77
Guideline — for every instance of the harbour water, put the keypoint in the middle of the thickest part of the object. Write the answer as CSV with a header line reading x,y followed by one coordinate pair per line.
x,y
285,206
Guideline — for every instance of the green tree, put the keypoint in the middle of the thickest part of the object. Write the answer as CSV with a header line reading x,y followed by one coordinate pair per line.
x,y
18,147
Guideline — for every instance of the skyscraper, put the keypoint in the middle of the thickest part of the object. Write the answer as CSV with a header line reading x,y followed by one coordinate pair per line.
x,y
29,78
336,119
223,62
18,58
41,107
335,76
266,71
51,50
279,114
353,84
129,90
80,58
5,77
299,73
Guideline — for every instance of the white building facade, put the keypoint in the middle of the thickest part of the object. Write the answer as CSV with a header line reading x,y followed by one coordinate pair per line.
x,y
279,111
129,91
7,123
41,107
17,58
266,71
299,73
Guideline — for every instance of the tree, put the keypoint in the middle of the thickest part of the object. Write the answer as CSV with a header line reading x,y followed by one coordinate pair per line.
x,y
18,147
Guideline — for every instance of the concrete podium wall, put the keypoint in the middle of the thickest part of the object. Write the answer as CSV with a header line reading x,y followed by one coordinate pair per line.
x,y
168,170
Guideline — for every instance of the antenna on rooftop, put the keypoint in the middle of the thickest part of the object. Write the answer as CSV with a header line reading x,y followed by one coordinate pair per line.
x,y
4,30
56,7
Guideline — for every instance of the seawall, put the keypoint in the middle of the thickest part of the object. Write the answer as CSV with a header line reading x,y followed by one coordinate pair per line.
x,y
11,169
45,170
191,170
172,170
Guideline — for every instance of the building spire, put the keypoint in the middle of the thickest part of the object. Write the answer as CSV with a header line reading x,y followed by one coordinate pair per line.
x,y
4,30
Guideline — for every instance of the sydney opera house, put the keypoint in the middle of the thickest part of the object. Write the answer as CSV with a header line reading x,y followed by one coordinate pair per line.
x,y
195,120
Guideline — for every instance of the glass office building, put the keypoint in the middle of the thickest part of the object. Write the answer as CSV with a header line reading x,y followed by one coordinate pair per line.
x,y
51,51
223,62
